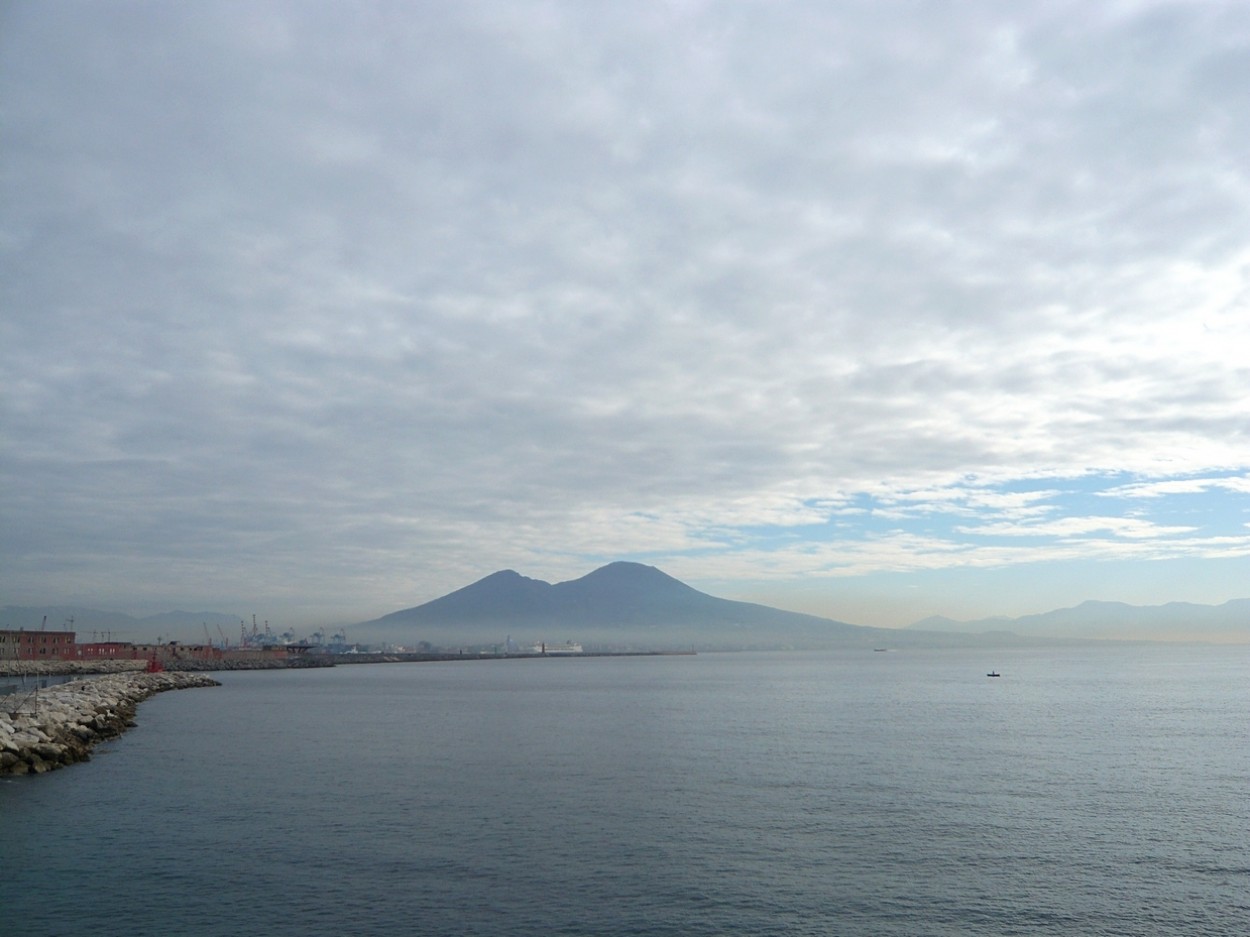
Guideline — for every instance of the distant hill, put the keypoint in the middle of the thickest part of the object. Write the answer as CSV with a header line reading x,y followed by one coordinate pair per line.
x,y
944,625
621,604
92,623
1175,621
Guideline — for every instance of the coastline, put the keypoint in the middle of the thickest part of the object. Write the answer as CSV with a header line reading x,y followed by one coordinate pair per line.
x,y
44,727
49,668
53,727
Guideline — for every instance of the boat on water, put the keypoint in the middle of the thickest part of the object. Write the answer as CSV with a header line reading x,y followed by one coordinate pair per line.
x,y
993,673
563,647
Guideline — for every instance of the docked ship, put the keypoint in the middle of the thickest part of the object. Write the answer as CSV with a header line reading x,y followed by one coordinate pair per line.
x,y
560,647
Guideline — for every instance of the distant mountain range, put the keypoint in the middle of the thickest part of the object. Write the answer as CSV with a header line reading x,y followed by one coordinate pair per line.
x,y
91,623
624,604
1117,621
629,605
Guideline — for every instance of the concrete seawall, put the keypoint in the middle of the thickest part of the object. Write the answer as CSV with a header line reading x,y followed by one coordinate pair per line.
x,y
59,725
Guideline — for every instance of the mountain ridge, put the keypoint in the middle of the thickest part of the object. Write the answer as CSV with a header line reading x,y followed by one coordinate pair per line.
x,y
1227,622
86,620
625,603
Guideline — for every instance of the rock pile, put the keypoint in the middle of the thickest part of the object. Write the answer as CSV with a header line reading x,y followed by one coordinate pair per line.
x,y
59,725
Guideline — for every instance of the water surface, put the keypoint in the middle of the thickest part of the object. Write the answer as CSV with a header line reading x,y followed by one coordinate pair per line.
x,y
1102,791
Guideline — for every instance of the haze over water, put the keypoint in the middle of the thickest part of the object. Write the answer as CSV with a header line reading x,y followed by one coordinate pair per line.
x,y
1099,791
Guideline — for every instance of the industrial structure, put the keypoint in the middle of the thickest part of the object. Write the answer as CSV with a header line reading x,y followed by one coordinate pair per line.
x,y
26,645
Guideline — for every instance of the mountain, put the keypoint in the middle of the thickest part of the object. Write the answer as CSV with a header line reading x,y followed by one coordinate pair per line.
x,y
64,618
1175,621
94,624
621,604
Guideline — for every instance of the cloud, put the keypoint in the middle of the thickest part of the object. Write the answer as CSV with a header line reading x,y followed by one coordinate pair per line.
x,y
358,302
1180,486
1069,527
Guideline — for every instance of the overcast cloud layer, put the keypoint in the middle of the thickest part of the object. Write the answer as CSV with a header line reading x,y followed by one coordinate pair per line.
x,y
323,310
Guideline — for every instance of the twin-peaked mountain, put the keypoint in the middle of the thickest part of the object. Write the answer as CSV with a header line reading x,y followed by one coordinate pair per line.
x,y
621,604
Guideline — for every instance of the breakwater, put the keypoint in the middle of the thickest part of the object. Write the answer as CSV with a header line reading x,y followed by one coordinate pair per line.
x,y
10,669
40,668
58,726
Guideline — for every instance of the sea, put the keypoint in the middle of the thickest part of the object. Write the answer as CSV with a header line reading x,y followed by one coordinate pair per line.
x,y
1094,790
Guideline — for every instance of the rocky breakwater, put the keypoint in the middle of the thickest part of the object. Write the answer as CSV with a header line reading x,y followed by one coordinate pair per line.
x,y
43,668
59,725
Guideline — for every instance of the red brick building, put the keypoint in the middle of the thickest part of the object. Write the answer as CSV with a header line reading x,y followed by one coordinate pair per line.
x,y
108,650
166,653
37,645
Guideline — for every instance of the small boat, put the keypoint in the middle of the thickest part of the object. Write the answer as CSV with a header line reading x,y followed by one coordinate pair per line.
x,y
993,673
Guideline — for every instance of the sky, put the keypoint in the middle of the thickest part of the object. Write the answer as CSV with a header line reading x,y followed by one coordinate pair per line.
x,y
869,310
